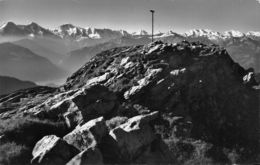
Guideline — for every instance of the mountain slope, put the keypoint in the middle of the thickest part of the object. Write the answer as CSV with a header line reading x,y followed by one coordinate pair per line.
x,y
78,57
16,61
183,103
10,84
53,50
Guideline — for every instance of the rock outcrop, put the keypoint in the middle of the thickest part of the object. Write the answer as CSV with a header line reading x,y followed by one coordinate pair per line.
x,y
190,80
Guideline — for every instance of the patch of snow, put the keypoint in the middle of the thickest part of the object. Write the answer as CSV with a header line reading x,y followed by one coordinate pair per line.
x,y
123,33
233,33
3,26
168,34
94,36
72,31
140,33
212,35
90,30
253,33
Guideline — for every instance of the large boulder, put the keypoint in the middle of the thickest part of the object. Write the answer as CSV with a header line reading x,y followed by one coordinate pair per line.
x,y
52,150
134,136
87,135
89,156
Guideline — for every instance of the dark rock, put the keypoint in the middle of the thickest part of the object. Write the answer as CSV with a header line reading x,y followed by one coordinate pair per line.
x,y
134,136
88,156
156,153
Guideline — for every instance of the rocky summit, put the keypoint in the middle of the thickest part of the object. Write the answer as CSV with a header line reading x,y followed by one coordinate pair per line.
x,y
183,103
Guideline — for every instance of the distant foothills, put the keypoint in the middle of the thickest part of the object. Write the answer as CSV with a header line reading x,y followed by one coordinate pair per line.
x,y
34,53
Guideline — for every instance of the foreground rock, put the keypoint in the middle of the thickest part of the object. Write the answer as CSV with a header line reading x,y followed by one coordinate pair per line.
x,y
135,135
88,156
51,150
88,135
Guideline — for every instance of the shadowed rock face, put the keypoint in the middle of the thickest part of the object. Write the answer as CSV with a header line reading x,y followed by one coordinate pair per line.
x,y
200,93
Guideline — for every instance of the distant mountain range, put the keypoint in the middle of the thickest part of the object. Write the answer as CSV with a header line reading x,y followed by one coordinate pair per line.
x,y
69,46
10,84
76,33
20,62
33,29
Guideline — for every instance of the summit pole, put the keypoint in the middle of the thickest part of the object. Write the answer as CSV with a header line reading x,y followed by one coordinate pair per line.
x,y
152,11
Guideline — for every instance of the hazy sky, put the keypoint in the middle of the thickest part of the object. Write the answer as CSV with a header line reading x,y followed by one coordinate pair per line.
x,y
133,15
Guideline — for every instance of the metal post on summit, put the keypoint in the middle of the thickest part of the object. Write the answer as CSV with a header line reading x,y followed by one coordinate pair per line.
x,y
152,11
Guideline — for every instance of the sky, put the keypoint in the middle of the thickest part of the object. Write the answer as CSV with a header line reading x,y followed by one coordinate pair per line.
x,y
133,15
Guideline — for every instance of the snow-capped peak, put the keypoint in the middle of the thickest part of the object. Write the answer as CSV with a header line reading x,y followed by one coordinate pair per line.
x,y
124,33
71,31
234,33
168,34
140,33
253,33
213,35
90,30
3,26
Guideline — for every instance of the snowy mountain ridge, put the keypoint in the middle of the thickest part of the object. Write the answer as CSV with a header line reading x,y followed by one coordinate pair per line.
x,y
76,33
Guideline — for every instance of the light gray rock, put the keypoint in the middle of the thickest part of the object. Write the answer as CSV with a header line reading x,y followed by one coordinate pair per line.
x,y
52,150
87,135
